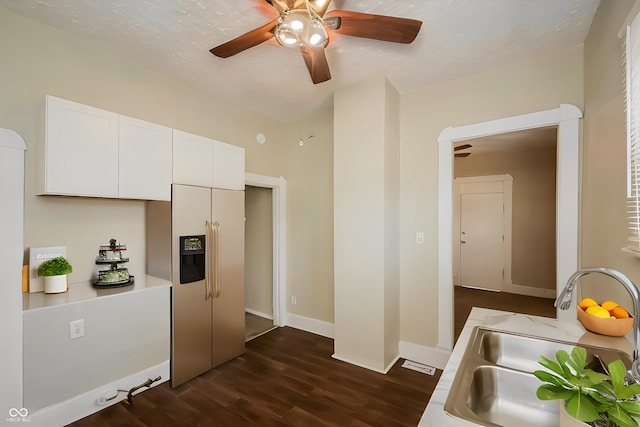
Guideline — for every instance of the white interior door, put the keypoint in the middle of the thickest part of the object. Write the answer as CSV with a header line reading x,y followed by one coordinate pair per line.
x,y
482,240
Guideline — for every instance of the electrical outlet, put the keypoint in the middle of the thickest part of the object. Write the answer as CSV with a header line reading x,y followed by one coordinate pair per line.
x,y
294,301
76,329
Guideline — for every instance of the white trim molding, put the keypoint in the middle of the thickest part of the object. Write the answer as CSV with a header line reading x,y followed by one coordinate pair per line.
x,y
68,411
425,355
279,206
567,119
410,351
315,326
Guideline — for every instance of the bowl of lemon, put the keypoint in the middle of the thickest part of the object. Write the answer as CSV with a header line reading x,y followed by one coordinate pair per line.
x,y
607,318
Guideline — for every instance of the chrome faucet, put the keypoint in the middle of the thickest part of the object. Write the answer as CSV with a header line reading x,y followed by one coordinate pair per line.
x,y
564,302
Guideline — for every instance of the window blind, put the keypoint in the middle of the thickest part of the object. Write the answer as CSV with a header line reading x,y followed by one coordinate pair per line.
x,y
632,59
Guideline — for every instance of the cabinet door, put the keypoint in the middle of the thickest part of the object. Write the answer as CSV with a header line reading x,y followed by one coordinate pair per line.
x,y
78,154
144,160
228,166
192,159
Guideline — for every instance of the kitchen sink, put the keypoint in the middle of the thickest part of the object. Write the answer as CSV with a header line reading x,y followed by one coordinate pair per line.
x,y
508,397
495,386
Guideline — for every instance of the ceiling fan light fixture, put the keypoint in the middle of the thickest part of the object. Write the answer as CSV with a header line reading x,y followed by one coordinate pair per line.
x,y
297,25
298,28
286,37
317,34
292,27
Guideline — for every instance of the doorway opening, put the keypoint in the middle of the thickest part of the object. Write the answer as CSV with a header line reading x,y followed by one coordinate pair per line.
x,y
566,118
482,210
258,265
265,249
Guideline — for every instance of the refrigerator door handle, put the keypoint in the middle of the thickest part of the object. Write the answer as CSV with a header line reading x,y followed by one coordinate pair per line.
x,y
217,287
207,275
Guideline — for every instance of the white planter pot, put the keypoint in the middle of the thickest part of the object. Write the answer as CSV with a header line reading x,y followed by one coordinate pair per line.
x,y
55,284
567,420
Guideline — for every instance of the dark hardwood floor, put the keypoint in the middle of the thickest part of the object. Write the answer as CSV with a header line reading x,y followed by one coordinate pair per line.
x,y
287,377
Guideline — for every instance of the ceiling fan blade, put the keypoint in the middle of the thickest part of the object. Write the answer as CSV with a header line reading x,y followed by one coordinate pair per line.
x,y
316,61
377,27
462,147
245,41
462,154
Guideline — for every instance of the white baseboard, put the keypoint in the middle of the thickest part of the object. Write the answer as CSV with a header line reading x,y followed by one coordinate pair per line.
x,y
417,353
68,411
318,327
530,291
259,313
382,371
426,355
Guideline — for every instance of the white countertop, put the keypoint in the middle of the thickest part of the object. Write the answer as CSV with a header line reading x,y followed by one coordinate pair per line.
x,y
84,291
434,415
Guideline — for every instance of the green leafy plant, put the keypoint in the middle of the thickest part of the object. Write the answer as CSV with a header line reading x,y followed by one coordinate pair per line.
x,y
55,267
600,399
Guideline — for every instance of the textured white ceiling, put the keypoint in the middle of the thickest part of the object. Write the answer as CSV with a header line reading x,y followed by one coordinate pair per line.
x,y
458,37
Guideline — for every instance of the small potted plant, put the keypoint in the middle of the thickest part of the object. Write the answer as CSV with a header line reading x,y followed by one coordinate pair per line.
x,y
55,272
593,398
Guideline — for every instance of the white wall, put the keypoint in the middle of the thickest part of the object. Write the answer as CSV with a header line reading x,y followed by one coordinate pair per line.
x,y
11,210
124,334
534,211
74,68
365,224
258,267
603,208
537,85
308,170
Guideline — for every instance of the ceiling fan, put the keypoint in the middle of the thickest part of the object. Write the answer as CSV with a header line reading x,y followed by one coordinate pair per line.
x,y
306,25
462,147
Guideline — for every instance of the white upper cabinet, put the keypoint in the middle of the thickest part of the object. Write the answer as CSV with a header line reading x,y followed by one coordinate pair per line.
x,y
144,160
228,166
78,152
86,151
192,159
207,163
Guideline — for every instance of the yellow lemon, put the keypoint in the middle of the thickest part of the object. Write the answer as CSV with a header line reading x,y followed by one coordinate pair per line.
x,y
596,310
587,302
609,305
619,312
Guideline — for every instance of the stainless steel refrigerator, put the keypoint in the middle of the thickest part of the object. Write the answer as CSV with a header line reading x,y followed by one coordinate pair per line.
x,y
207,260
